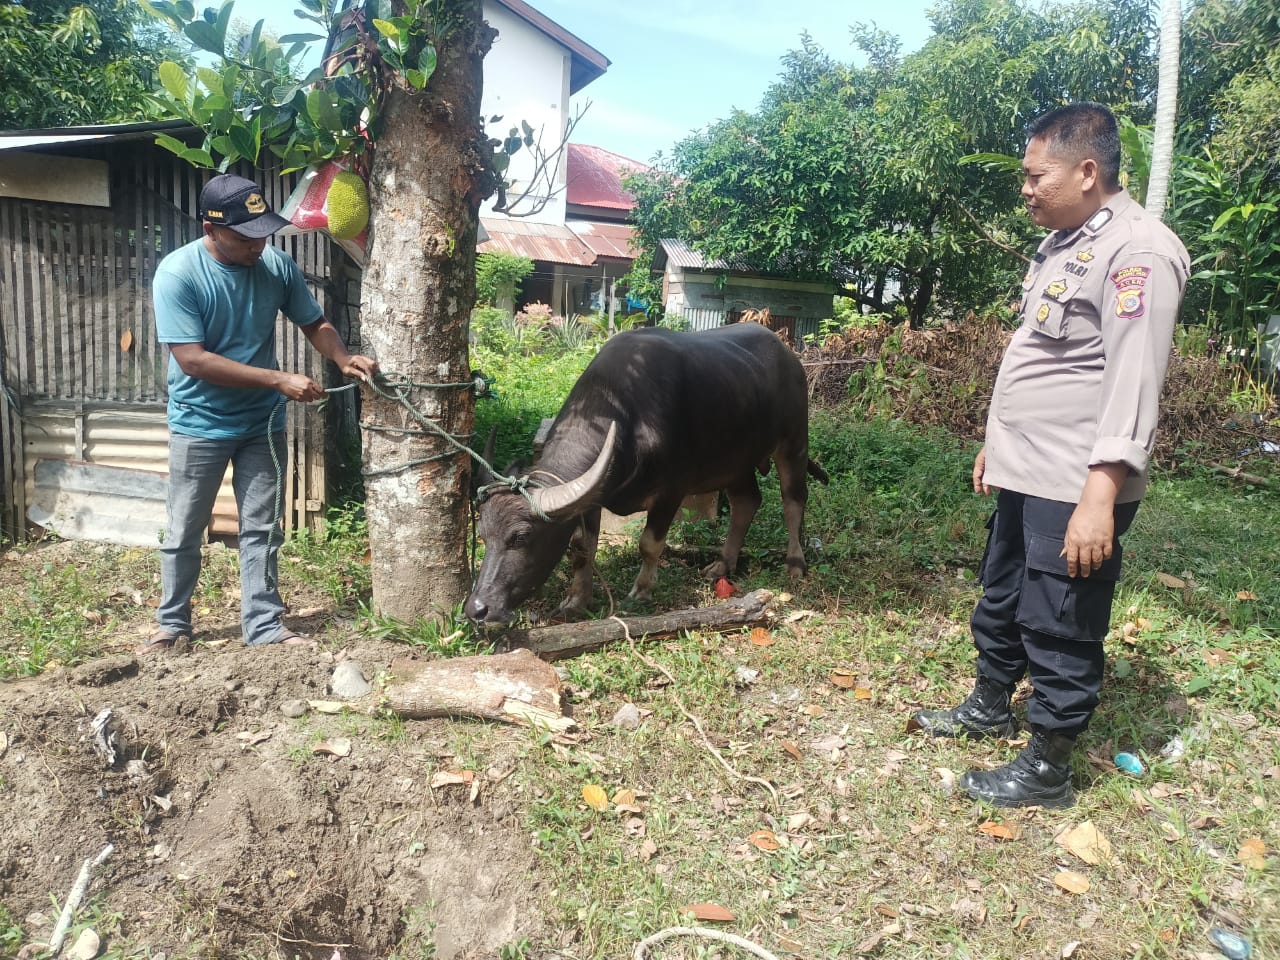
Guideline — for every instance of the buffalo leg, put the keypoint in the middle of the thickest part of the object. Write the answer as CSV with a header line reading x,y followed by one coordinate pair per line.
x,y
744,501
652,542
793,479
582,556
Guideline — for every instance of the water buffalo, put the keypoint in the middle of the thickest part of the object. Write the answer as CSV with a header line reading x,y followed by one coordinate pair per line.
x,y
657,415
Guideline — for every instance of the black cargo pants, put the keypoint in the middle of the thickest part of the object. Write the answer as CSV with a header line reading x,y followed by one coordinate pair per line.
x,y
1034,619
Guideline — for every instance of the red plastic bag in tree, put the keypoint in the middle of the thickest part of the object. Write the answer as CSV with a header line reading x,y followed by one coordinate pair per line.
x,y
332,198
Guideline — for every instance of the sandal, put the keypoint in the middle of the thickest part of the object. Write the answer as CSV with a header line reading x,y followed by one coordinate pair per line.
x,y
291,639
161,641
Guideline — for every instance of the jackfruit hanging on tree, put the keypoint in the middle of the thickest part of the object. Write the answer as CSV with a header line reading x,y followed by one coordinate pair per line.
x,y
347,206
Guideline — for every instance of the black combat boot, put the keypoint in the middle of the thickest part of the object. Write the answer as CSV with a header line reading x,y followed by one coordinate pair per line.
x,y
985,713
1038,776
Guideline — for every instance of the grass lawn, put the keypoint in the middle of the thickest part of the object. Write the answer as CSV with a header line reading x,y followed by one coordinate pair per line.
x,y
796,802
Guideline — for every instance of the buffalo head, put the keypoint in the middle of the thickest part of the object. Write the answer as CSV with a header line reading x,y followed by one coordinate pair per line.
x,y
525,528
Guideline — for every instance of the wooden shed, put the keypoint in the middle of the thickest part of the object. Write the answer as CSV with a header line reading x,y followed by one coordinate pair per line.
x,y
86,214
712,293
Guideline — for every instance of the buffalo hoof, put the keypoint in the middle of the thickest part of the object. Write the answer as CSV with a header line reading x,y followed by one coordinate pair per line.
x,y
714,571
797,569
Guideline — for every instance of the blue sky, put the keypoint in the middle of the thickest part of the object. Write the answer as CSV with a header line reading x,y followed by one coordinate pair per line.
x,y
678,65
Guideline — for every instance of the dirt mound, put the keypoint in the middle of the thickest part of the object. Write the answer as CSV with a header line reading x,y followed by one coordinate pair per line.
x,y
233,837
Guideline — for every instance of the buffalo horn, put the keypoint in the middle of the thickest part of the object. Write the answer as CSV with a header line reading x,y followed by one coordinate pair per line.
x,y
482,473
567,498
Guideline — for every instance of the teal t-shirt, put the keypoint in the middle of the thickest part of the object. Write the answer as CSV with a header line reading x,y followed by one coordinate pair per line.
x,y
232,311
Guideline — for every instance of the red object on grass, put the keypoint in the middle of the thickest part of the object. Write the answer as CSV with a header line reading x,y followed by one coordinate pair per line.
x,y
724,589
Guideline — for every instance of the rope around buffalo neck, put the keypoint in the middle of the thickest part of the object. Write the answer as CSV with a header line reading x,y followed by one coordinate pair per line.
x,y
396,387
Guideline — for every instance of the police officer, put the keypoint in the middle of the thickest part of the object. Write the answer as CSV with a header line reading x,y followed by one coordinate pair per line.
x,y
1069,433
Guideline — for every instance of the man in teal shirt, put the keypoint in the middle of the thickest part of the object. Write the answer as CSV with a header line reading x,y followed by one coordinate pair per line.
x,y
216,301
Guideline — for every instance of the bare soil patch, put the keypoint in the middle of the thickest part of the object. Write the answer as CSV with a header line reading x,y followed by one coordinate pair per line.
x,y
232,837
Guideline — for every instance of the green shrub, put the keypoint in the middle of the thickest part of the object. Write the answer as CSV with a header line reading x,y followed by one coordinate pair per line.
x,y
498,277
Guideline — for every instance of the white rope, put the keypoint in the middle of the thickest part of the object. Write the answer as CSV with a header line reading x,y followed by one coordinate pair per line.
x,y
704,933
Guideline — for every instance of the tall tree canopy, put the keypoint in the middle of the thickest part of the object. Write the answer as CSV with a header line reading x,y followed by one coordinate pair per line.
x,y
856,172
64,62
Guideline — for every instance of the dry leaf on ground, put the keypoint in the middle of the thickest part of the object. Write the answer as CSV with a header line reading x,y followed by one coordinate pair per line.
x,y
764,840
1246,595
1085,842
709,912
1001,831
1072,882
452,778
595,797
625,798
1253,854
762,637
1169,580
843,679
337,747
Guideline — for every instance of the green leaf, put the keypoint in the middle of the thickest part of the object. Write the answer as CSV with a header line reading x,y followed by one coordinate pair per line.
x,y
1225,218
427,60
223,21
1122,668
1196,684
415,79
175,80
388,29
300,38
242,140
204,36
193,155
211,79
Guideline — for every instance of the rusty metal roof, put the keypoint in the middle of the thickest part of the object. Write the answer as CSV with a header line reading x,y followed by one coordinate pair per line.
x,y
609,240
594,177
549,242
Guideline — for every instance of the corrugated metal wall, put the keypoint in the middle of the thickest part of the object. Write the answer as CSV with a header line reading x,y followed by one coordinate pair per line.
x,y
704,318
82,374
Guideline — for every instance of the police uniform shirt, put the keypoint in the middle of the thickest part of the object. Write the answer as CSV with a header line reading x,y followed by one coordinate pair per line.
x,y
1079,385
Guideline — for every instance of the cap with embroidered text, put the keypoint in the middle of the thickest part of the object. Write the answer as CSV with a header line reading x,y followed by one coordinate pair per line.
x,y
237,203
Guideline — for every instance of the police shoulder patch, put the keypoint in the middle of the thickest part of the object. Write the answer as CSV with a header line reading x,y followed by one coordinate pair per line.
x,y
1132,276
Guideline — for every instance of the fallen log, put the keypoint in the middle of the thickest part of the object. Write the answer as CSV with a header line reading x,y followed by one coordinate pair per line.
x,y
570,639
514,687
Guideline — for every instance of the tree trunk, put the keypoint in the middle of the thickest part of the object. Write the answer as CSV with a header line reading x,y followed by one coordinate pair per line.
x,y
1166,107
428,178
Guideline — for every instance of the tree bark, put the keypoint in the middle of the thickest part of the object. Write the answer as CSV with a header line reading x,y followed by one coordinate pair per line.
x,y
513,688
430,172
1166,107
570,639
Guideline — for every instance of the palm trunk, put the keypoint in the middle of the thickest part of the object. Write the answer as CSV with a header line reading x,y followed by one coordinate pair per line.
x,y
1166,107
428,178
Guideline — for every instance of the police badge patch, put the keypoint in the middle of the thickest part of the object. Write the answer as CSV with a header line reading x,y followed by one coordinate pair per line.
x,y
1130,283
1056,289
1129,304
1043,313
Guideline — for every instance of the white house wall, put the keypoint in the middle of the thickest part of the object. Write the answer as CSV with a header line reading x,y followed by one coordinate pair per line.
x,y
526,77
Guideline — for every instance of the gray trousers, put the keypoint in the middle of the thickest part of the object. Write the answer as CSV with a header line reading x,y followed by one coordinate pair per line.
x,y
196,468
